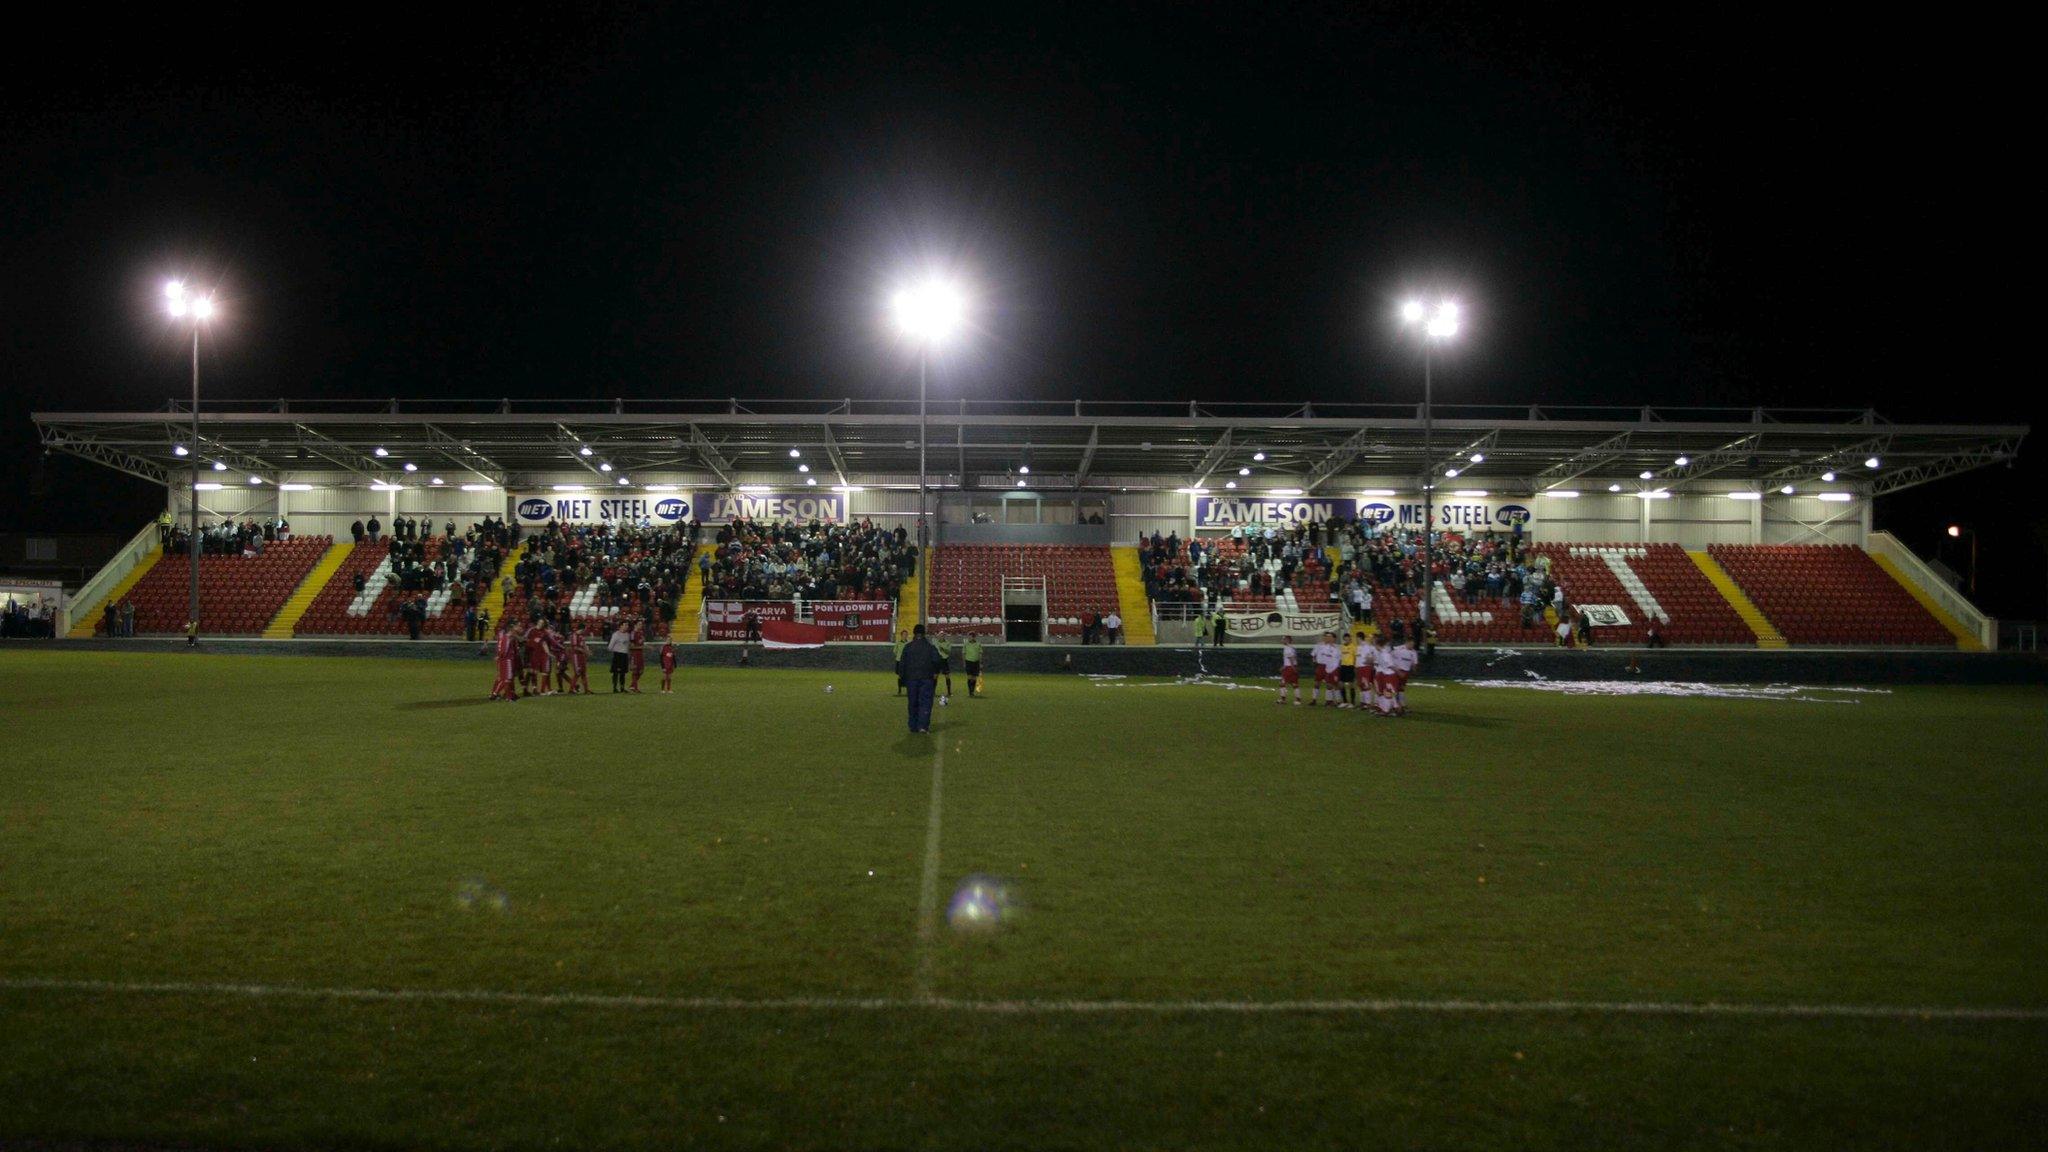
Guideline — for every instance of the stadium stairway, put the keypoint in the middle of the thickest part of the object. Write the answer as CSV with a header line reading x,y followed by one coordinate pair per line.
x,y
1767,634
283,626
87,624
691,610
494,596
1132,603
906,597
1966,640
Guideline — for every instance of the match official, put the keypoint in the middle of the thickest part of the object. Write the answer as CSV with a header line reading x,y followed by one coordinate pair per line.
x,y
921,663
971,653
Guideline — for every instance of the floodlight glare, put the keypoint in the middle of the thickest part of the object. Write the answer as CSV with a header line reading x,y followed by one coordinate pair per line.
x,y
1244,471
1955,530
1614,487
1872,462
605,467
411,467
1411,311
1230,483
380,453
583,451
1827,477
1646,476
929,311
794,453
1682,461
1259,456
807,468
174,289
1451,473
1479,457
255,479
436,481
202,308
219,466
1787,490
1024,468
181,450
811,481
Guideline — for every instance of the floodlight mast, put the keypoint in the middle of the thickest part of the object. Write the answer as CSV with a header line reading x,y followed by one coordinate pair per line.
x,y
1437,325
926,313
194,310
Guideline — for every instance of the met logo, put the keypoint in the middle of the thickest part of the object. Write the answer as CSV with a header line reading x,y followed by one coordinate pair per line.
x,y
1376,513
1509,515
672,509
536,509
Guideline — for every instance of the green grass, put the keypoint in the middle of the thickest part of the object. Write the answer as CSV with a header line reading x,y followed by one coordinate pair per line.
x,y
1166,844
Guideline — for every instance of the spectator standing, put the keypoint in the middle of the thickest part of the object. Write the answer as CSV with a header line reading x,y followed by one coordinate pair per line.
x,y
373,529
1114,623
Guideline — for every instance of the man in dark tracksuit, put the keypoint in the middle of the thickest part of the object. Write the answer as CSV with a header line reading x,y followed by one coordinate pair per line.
x,y
920,663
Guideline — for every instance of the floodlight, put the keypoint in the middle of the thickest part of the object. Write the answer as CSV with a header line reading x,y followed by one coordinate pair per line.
x,y
255,479
1787,490
380,453
807,468
436,481
1646,476
794,453
1872,462
1230,483
1479,457
1411,312
1955,530
1563,494
202,308
181,450
1682,461
1244,471
1259,456
219,466
928,312
1827,477
411,467
605,467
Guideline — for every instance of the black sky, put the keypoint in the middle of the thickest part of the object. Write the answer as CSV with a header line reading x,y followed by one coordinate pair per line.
x,y
1706,208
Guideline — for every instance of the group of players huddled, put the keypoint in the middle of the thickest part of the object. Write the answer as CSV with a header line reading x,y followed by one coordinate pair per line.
x,y
544,660
1366,673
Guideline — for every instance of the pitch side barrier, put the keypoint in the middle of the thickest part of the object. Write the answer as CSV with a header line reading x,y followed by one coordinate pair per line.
x,y
1711,666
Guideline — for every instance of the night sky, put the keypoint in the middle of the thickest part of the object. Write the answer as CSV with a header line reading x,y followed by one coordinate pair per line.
x,y
1157,204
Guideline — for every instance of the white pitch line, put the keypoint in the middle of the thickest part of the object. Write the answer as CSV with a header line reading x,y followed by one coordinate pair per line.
x,y
1032,1007
928,887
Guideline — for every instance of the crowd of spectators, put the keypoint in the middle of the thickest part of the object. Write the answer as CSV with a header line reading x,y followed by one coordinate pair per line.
x,y
633,569
814,561
230,537
32,619
1369,561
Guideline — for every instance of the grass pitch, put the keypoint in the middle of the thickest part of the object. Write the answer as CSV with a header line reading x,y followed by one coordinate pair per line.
x,y
172,824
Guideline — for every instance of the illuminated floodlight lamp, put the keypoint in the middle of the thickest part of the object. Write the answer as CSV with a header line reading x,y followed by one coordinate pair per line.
x,y
295,487
380,453
1376,492
583,451
1682,461
387,487
810,481
1286,491
180,450
1787,490
1614,487
928,312
807,468
479,487
1837,497
753,488
1259,456
208,486
848,488
1244,471
1827,477
1479,457
255,479
1563,493
1230,483
1647,476
1955,531
1871,462
411,467
1745,495
569,488
1469,493
605,467
220,466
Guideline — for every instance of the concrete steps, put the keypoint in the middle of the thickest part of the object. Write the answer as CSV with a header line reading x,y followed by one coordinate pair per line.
x,y
285,625
1131,602
1767,634
691,610
83,627
1965,639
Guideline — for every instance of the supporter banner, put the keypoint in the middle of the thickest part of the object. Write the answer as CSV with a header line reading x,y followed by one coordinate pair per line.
x,y
1273,625
1604,615
1452,514
803,506
1239,511
790,634
842,619
855,619
660,509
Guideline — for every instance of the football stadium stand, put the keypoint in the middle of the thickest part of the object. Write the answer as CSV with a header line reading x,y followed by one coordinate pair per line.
x,y
967,584
238,595
1829,594
1647,582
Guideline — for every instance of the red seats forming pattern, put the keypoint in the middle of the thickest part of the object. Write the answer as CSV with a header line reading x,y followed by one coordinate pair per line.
x,y
1506,628
967,584
328,615
1699,613
1829,594
236,595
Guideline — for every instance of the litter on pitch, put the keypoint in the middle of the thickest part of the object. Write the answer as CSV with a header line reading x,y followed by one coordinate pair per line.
x,y
1810,694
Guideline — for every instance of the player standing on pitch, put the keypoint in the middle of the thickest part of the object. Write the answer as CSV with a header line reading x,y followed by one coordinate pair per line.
x,y
1326,657
668,664
504,688
1290,671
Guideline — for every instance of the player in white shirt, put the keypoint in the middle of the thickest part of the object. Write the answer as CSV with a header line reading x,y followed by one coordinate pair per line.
x,y
1290,671
1383,668
1326,655
1405,660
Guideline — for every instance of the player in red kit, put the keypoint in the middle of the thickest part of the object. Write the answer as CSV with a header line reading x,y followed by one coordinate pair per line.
x,y
668,664
508,644
639,650
558,655
537,668
579,660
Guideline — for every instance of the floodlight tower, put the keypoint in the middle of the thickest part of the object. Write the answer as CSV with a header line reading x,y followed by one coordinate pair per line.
x,y
927,313
193,311
1436,326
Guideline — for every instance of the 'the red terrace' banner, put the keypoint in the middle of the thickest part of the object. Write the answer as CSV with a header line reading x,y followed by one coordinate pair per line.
x,y
839,619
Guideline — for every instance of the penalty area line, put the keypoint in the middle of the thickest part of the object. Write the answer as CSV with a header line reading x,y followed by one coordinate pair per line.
x,y
1029,1007
928,886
